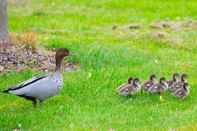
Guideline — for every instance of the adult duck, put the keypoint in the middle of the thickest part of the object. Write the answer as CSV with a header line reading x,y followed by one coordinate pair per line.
x,y
42,87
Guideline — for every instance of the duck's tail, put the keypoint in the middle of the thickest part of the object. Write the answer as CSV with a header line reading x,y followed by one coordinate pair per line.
x,y
5,91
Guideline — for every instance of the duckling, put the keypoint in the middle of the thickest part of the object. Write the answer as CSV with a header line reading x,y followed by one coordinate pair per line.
x,y
160,87
180,83
148,84
182,92
136,87
124,88
130,88
175,79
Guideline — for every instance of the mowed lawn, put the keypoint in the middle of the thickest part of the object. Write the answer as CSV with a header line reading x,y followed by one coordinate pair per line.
x,y
107,58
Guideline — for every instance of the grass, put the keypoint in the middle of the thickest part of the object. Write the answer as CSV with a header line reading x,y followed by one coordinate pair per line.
x,y
107,58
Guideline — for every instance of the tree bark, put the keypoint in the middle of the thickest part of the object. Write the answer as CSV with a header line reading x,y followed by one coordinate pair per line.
x,y
3,22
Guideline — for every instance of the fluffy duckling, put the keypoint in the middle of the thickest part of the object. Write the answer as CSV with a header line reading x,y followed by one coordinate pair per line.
x,y
136,87
179,84
175,79
159,87
148,84
182,92
124,88
130,88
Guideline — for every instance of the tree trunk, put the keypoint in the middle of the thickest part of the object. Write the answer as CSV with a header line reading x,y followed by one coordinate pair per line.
x,y
3,22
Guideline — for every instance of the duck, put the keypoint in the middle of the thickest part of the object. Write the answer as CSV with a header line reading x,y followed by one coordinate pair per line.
x,y
184,78
136,87
179,83
149,83
182,92
124,88
159,87
129,88
40,88
175,79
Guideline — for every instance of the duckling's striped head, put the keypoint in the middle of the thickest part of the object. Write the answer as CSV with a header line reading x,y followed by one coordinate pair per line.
x,y
136,82
184,77
162,80
153,77
175,77
130,80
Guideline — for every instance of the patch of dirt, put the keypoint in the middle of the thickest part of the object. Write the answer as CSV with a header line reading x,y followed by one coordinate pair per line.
x,y
159,35
174,25
134,26
167,24
171,31
131,26
25,53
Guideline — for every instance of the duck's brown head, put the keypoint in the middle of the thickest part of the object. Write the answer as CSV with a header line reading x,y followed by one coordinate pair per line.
x,y
184,77
130,79
60,54
175,77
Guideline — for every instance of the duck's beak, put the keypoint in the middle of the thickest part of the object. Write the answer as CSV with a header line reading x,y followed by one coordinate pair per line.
x,y
72,54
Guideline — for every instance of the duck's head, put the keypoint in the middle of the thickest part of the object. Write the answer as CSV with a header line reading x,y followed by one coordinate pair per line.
x,y
130,79
184,78
162,80
61,53
153,77
175,77
136,82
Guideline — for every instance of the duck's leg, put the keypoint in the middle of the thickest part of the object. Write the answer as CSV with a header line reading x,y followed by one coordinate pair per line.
x,y
34,102
41,102
33,99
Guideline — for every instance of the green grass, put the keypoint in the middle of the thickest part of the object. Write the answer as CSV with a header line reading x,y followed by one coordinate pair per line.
x,y
107,58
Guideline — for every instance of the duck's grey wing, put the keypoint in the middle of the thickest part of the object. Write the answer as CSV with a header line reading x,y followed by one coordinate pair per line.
x,y
24,84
